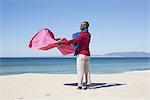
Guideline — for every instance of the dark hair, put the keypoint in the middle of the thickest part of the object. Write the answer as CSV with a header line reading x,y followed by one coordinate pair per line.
x,y
87,23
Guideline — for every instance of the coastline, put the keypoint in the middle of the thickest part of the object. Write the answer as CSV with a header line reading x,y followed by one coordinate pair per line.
x,y
132,85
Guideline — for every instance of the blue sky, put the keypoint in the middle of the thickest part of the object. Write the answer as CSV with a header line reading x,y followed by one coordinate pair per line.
x,y
115,25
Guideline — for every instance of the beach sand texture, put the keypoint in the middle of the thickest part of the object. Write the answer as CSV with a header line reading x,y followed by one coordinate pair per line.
x,y
30,86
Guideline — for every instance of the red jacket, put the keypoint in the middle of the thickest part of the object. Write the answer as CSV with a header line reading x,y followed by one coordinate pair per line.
x,y
83,41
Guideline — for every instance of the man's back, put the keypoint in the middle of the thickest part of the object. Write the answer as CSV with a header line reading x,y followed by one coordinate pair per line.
x,y
83,41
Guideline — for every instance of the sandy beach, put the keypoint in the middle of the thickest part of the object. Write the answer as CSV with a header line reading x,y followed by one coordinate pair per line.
x,y
122,86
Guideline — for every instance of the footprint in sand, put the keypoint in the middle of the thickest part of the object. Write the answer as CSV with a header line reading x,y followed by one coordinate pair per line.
x,y
21,98
48,94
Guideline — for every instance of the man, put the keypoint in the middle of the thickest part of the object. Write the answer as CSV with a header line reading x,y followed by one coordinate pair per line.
x,y
83,55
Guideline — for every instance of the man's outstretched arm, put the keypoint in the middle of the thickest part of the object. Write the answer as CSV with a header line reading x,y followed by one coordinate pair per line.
x,y
73,41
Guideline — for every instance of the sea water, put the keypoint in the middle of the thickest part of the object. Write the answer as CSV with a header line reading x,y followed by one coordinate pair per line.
x,y
9,66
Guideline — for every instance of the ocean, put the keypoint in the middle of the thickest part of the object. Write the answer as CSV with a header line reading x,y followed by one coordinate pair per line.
x,y
10,66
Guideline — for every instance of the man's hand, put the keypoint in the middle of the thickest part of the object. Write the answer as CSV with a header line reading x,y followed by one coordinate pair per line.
x,y
59,43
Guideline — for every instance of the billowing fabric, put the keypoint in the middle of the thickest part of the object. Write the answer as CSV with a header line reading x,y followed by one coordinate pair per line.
x,y
45,40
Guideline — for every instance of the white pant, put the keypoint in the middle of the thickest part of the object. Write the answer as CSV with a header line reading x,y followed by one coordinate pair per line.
x,y
83,69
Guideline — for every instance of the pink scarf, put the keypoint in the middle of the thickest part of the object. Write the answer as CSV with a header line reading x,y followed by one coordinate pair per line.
x,y
45,40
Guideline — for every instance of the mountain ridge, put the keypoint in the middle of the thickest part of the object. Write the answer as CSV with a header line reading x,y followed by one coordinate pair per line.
x,y
125,54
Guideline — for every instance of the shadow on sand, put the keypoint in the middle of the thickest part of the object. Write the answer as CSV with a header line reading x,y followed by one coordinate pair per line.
x,y
97,85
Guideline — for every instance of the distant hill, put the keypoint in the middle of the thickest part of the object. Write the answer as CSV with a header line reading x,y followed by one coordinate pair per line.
x,y
125,54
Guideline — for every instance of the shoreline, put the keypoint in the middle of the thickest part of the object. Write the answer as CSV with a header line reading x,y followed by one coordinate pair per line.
x,y
32,86
73,57
137,70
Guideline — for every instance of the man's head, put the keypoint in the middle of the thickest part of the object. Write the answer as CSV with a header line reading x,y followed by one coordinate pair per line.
x,y
84,25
